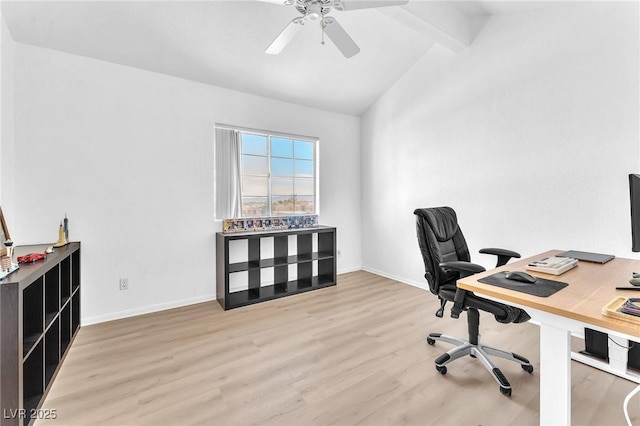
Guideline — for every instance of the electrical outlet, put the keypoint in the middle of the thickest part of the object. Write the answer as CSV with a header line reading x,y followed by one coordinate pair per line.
x,y
124,283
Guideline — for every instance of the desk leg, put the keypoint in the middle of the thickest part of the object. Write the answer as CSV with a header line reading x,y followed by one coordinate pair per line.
x,y
555,375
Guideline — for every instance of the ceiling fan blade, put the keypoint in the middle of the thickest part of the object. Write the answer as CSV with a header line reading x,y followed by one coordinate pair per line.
x,y
340,38
285,36
366,4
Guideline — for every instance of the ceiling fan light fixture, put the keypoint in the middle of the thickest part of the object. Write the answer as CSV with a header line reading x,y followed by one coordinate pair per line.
x,y
314,11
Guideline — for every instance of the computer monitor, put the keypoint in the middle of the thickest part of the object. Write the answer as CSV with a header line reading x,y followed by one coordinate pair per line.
x,y
634,189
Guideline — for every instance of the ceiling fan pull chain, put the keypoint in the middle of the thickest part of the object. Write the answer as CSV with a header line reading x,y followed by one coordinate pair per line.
x,y
322,29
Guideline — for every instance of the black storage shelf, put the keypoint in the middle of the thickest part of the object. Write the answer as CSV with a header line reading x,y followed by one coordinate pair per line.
x,y
40,316
325,256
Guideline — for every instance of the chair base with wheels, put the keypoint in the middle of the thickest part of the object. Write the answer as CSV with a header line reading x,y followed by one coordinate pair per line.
x,y
478,351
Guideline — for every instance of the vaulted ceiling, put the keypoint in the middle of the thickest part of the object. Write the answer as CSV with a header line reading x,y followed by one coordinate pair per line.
x,y
223,43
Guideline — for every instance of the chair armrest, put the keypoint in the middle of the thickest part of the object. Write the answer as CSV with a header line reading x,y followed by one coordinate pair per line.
x,y
500,252
503,255
465,268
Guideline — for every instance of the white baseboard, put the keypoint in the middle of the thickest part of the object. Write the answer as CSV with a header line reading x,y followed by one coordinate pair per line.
x,y
403,280
347,270
146,310
192,301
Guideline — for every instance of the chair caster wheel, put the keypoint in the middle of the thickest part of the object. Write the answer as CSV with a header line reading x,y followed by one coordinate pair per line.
x,y
528,368
442,370
431,341
505,391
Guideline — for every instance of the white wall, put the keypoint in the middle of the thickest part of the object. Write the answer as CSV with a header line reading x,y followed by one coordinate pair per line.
x,y
128,155
7,49
529,134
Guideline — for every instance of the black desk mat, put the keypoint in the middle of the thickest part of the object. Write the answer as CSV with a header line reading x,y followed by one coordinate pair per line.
x,y
541,288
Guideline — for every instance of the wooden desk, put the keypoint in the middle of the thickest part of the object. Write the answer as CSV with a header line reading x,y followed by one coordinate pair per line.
x,y
567,312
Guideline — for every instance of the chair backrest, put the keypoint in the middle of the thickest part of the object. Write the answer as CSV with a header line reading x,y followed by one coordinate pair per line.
x,y
440,240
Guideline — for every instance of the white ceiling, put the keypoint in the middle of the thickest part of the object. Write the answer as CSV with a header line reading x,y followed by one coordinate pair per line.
x,y
222,43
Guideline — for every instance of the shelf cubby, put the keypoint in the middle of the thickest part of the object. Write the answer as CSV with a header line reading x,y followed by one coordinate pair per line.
x,y
32,378
267,265
51,295
51,350
32,320
75,312
65,327
40,317
65,280
75,270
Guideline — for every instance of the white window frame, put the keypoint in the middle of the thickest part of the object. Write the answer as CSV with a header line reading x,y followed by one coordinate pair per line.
x,y
270,134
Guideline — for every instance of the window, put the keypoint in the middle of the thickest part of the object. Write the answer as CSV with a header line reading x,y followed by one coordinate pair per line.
x,y
278,174
259,173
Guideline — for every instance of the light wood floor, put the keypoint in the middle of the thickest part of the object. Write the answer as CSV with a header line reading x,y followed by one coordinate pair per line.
x,y
350,354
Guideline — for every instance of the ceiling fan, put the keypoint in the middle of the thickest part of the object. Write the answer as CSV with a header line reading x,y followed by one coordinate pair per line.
x,y
316,11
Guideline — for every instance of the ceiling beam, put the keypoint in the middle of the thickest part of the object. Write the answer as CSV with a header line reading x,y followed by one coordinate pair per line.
x,y
437,21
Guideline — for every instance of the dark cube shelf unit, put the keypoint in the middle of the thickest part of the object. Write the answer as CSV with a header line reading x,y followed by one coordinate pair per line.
x,y
39,318
255,264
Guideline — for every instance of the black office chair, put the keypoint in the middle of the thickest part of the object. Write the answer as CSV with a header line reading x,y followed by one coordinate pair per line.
x,y
446,259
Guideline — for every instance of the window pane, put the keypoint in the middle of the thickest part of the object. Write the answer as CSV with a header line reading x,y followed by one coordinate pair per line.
x,y
303,149
281,147
254,206
282,186
253,165
304,168
281,205
281,167
254,144
254,186
305,204
304,187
